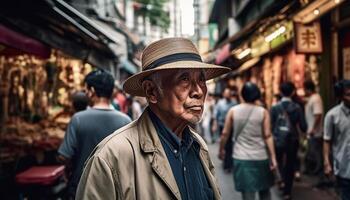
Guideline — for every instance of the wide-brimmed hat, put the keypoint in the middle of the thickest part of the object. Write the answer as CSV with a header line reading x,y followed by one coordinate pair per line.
x,y
170,53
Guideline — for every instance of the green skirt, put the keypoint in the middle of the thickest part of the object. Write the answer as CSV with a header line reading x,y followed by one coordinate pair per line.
x,y
252,175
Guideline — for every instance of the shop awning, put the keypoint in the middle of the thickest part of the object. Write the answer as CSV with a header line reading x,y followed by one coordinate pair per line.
x,y
245,66
60,26
23,43
315,10
128,66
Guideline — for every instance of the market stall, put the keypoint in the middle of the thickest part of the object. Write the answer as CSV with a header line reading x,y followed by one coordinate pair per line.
x,y
33,92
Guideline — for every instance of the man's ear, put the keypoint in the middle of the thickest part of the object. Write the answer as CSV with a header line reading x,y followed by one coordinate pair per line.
x,y
150,90
90,92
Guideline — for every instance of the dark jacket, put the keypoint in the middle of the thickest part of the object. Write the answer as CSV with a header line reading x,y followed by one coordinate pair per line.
x,y
295,113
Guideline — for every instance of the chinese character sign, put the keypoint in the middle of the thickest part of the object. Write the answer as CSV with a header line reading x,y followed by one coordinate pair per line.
x,y
308,38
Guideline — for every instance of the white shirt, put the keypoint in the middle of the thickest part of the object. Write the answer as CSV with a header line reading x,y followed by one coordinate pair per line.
x,y
337,129
314,106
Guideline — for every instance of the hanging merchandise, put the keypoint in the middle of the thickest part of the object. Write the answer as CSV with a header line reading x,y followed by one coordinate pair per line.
x,y
35,104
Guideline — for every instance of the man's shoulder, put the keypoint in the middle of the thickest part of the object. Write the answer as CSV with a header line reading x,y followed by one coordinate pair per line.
x,y
120,114
121,142
316,97
334,111
100,112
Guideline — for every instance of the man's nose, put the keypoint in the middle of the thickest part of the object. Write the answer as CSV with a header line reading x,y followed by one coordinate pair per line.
x,y
197,90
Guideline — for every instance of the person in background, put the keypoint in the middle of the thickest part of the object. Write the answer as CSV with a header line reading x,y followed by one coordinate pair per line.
x,y
298,100
287,119
314,116
253,155
220,111
120,100
159,156
205,125
87,128
336,139
80,101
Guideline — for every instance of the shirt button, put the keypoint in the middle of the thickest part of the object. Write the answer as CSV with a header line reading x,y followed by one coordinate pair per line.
x,y
175,151
184,168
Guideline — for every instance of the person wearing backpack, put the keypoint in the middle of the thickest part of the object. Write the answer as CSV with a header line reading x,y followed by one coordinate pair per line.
x,y
287,119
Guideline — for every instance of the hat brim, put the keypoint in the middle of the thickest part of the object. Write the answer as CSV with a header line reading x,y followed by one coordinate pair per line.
x,y
133,85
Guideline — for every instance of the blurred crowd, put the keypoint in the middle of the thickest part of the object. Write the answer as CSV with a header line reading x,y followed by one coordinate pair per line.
x,y
293,137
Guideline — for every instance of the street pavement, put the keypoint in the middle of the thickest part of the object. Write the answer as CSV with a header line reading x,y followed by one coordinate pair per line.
x,y
302,190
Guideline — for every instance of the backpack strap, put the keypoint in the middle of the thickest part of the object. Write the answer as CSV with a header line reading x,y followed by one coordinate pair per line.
x,y
245,123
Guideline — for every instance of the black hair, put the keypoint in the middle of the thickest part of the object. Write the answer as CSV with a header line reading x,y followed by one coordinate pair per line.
x,y
250,92
340,87
310,85
80,101
102,82
287,89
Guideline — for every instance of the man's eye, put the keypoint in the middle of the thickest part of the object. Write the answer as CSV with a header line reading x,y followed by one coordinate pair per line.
x,y
185,78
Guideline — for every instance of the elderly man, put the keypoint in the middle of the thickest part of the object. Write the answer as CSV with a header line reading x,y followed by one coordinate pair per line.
x,y
158,156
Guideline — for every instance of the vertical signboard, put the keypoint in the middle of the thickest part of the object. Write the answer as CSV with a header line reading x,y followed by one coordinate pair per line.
x,y
308,38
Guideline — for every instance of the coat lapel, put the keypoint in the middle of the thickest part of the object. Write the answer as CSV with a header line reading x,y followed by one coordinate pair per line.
x,y
150,143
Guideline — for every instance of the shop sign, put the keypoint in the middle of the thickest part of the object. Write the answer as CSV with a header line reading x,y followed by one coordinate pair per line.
x,y
308,38
346,62
259,46
284,37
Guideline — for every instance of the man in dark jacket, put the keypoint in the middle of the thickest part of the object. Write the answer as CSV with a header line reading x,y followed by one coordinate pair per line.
x,y
287,134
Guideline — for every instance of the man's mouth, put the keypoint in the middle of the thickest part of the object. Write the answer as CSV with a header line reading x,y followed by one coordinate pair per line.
x,y
195,108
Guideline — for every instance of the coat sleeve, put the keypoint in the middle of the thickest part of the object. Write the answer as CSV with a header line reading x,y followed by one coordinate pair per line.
x,y
98,182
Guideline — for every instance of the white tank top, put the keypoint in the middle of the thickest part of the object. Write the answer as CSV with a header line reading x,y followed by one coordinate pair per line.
x,y
250,144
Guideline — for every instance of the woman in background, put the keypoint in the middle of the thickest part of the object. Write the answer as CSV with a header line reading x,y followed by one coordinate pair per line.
x,y
253,155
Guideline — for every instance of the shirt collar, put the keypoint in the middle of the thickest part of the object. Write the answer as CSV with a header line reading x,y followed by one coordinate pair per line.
x,y
171,139
345,109
286,99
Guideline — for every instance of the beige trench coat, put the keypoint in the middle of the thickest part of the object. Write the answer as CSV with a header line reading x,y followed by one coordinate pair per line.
x,y
132,164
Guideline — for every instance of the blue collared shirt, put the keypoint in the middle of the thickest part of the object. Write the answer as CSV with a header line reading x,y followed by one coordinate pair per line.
x,y
183,156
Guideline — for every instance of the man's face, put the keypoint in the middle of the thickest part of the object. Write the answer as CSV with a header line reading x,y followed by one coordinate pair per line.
x,y
346,97
183,94
227,93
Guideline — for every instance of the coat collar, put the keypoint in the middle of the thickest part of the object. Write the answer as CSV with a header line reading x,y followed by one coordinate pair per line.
x,y
151,144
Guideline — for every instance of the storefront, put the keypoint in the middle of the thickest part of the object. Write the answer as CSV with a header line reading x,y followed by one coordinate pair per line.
x,y
343,26
39,70
295,45
36,84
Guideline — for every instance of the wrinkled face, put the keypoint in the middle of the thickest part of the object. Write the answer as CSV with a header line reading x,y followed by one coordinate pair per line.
x,y
182,94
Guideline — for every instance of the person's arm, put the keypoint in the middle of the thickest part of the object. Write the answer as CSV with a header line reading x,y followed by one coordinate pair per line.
x,y
326,152
68,146
269,140
317,112
226,133
317,123
327,138
302,122
273,115
98,181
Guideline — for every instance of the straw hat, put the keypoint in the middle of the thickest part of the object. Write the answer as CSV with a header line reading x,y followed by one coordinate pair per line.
x,y
169,53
